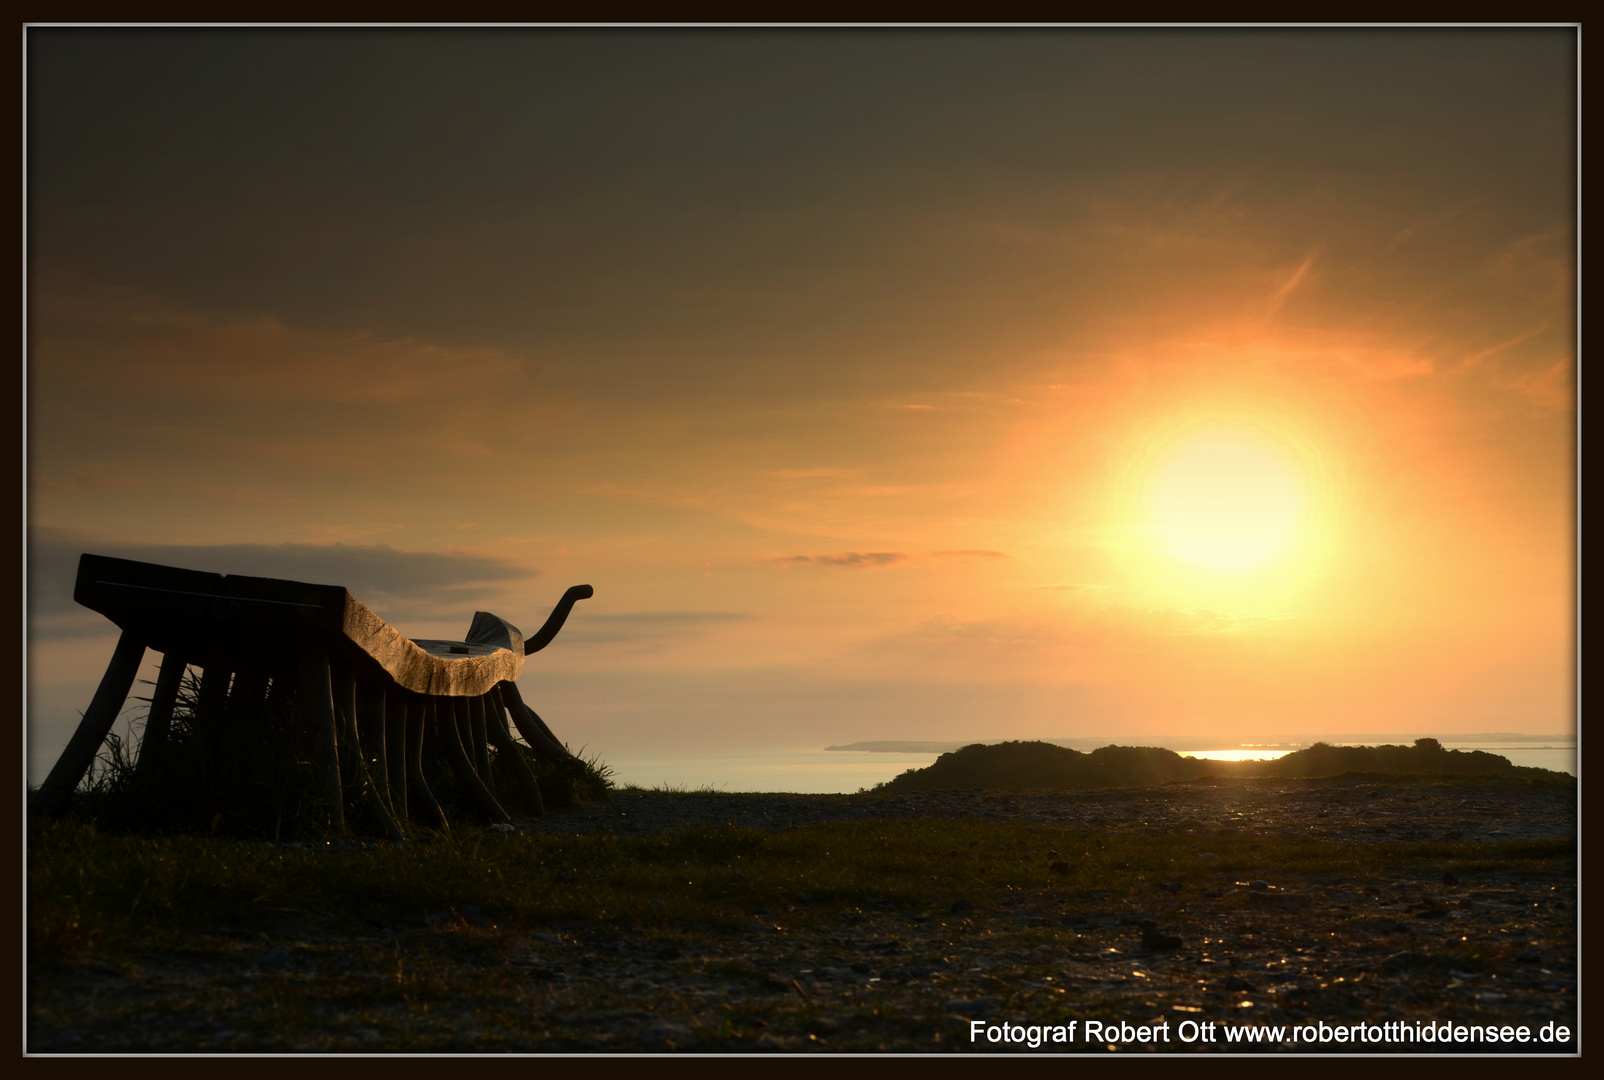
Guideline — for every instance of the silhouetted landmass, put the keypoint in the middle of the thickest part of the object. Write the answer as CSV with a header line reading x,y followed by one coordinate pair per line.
x,y
1034,765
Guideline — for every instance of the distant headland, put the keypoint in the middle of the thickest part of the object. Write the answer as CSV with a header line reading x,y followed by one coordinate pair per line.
x,y
1043,765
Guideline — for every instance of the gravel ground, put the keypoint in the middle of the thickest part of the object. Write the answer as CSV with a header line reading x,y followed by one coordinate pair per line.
x,y
1402,947
1341,808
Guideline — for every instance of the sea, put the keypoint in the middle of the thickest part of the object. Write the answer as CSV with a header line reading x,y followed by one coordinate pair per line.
x,y
814,770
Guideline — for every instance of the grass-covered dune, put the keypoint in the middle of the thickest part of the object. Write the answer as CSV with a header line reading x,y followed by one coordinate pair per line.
x,y
1037,765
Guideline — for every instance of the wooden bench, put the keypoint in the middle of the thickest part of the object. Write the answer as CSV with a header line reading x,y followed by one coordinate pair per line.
x,y
354,678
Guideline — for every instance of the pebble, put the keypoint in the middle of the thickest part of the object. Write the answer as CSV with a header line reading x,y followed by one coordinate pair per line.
x,y
961,907
1403,961
1209,857
981,1006
274,959
1258,883
1156,940
1400,992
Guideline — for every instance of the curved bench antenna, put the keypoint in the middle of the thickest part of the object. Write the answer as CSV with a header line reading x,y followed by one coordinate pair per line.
x,y
558,616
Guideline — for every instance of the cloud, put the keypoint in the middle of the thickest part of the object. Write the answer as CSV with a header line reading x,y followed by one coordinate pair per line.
x,y
880,558
1552,388
84,480
1172,622
815,474
1508,343
397,584
1075,642
1431,223
845,558
645,626
1267,309
1385,365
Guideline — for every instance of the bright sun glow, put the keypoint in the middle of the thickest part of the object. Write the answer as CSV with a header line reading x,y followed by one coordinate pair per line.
x,y
1226,499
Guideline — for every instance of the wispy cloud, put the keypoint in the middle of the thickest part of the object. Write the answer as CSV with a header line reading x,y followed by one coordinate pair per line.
x,y
1267,309
849,559
1509,343
1551,388
646,626
1409,233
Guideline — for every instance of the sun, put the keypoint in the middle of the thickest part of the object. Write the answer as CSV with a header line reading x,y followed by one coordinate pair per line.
x,y
1226,498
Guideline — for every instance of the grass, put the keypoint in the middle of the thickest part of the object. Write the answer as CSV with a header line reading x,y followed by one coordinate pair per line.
x,y
89,890
723,938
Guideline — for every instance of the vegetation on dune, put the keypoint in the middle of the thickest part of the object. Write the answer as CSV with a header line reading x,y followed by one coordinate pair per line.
x,y
1021,766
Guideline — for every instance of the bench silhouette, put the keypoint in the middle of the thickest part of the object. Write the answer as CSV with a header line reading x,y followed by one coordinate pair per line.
x,y
359,683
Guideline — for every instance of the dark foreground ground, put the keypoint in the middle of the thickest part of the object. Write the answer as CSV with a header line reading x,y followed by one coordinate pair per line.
x,y
849,924
1362,809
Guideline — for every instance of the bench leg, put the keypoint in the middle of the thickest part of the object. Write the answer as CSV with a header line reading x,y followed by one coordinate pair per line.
x,y
51,798
317,699
154,747
420,800
450,718
345,694
481,748
210,727
496,727
395,738
370,729
530,726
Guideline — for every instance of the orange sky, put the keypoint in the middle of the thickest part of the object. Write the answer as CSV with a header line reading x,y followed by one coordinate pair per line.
x,y
841,364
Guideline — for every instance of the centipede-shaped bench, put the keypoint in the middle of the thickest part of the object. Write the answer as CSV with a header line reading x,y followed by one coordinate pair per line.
x,y
355,678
